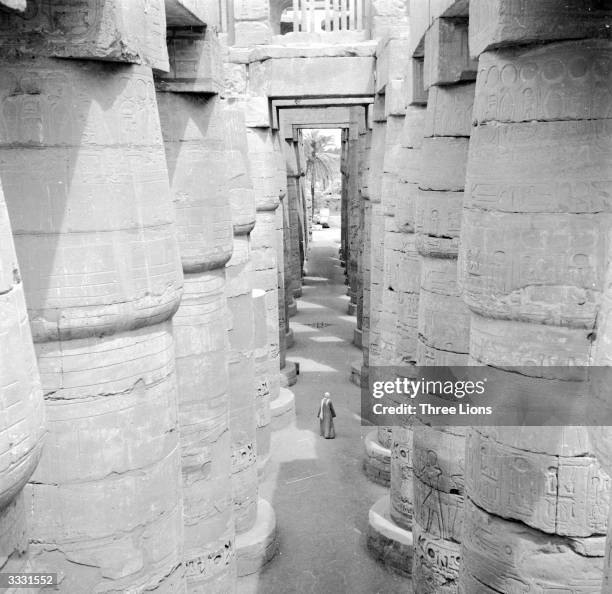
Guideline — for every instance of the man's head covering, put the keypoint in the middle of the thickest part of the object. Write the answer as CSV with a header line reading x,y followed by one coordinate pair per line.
x,y
326,394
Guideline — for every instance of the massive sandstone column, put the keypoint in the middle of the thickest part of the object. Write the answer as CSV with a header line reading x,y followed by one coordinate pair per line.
x,y
84,171
533,255
264,244
194,136
438,452
242,200
286,301
21,405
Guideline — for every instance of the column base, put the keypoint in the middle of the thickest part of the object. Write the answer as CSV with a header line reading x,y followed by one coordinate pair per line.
x,y
289,339
356,372
377,460
282,409
352,309
258,545
358,338
288,374
387,542
292,309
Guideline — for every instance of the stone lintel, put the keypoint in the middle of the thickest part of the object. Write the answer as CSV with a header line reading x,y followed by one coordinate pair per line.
x,y
306,103
338,76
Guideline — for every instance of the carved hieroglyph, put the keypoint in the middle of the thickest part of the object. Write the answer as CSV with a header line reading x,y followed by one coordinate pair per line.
x,y
21,403
85,178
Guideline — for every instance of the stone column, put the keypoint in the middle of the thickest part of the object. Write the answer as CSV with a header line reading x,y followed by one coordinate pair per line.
x,y
354,210
294,199
288,370
194,137
601,435
21,404
444,321
532,258
264,245
84,173
359,276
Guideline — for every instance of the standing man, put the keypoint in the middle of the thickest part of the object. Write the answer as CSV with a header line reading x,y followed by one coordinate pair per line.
x,y
326,417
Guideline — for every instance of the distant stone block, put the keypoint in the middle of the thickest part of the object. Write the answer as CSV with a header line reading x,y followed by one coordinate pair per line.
x,y
195,63
447,57
251,10
249,33
132,32
414,87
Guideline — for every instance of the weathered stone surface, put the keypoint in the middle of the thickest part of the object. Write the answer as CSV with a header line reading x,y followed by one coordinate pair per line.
x,y
195,64
248,33
188,13
386,541
436,563
439,458
424,12
317,76
261,380
444,320
402,461
251,10
72,151
283,409
395,98
534,345
497,23
438,514
21,403
561,495
415,83
438,222
195,134
449,110
102,397
544,83
200,331
241,374
102,277
377,460
508,555
132,32
447,56
391,58
444,160
259,545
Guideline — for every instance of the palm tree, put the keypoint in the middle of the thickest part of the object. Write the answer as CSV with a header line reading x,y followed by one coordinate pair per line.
x,y
321,157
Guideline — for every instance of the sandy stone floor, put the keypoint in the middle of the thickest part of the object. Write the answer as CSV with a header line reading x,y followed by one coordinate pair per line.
x,y
317,487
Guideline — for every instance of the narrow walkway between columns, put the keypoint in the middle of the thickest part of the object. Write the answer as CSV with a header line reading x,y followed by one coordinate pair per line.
x,y
319,491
